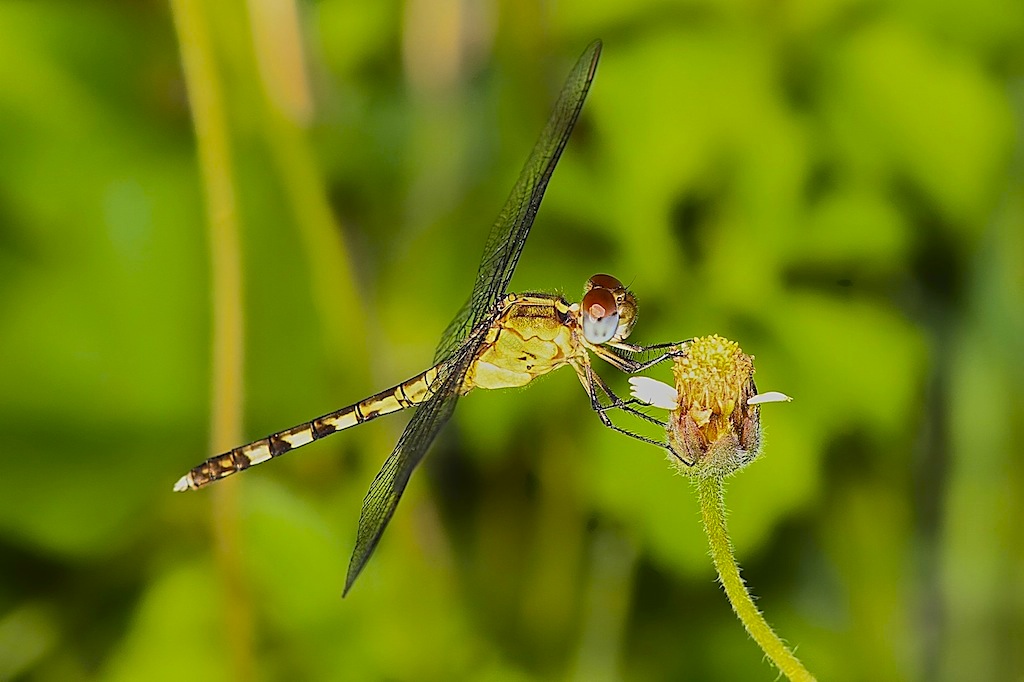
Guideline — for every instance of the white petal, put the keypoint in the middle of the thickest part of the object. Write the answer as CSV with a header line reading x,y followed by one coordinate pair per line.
x,y
653,392
769,397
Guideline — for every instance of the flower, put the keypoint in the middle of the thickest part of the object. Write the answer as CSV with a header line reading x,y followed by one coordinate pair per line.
x,y
714,423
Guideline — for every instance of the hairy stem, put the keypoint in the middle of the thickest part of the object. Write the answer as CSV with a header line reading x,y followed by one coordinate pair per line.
x,y
712,509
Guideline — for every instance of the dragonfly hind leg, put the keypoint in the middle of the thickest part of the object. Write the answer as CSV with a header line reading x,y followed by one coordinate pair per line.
x,y
594,385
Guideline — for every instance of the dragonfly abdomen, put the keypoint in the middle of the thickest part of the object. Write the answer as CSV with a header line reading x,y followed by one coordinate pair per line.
x,y
406,394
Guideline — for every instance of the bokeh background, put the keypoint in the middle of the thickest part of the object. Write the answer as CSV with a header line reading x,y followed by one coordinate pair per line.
x,y
836,184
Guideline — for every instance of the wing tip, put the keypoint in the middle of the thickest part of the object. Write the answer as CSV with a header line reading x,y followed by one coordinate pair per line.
x,y
354,569
594,47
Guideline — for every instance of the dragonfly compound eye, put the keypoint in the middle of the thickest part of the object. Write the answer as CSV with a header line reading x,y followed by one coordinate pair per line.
x,y
600,315
602,282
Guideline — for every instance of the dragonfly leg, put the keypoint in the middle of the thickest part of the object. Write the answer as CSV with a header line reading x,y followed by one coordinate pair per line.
x,y
593,383
618,403
661,351
625,361
627,406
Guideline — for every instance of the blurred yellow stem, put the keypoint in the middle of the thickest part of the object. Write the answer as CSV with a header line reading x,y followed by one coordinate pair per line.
x,y
341,307
712,509
330,265
206,98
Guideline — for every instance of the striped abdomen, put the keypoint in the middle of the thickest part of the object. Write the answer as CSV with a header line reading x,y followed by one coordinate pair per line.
x,y
407,394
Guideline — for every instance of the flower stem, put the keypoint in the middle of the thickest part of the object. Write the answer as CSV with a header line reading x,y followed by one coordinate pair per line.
x,y
712,509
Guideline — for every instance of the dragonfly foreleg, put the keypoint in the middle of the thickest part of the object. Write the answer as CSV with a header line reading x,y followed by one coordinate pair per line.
x,y
628,362
621,359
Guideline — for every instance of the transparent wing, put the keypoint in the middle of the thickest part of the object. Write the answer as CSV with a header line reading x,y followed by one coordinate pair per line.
x,y
508,234
387,488
457,350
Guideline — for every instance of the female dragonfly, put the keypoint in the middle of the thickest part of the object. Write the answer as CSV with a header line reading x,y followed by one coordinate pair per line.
x,y
497,340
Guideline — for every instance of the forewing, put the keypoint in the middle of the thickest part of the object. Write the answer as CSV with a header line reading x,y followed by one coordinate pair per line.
x,y
387,488
501,253
508,234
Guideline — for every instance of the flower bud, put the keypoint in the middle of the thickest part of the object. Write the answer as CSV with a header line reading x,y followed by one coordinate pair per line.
x,y
714,426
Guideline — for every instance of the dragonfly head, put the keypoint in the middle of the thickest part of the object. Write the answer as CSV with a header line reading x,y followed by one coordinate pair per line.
x,y
608,310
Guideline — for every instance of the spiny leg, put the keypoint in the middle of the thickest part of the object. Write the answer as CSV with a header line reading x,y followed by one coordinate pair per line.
x,y
618,403
595,381
590,385
630,365
626,406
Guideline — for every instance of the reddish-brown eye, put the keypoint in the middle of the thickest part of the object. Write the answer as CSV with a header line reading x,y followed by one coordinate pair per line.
x,y
604,282
599,303
600,316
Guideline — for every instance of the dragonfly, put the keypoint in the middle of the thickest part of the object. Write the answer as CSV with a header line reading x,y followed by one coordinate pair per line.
x,y
496,340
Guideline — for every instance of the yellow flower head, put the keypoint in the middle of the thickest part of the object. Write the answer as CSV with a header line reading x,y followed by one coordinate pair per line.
x,y
714,424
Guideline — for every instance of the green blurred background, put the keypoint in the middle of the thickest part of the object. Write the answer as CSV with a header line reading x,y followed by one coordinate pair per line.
x,y
835,184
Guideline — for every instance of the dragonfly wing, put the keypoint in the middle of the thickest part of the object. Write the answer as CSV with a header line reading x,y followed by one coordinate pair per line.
x,y
387,488
508,234
456,349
